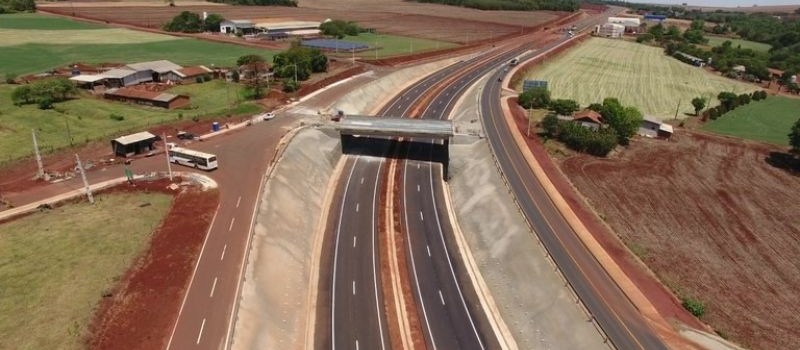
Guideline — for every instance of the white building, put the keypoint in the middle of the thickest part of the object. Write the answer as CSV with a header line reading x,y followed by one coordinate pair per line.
x,y
236,26
611,30
631,24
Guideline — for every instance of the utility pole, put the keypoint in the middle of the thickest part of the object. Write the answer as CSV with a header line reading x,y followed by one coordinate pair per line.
x,y
69,133
166,154
677,108
530,120
40,172
85,182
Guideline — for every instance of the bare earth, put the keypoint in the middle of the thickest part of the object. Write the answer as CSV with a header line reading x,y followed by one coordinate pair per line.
x,y
428,21
714,221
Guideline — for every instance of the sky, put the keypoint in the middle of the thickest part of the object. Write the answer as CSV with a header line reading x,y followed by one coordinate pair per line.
x,y
727,3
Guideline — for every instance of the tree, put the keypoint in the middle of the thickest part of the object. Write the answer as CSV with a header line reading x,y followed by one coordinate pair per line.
x,y
743,99
339,28
728,100
550,124
249,59
212,22
535,98
645,38
657,31
21,95
794,137
186,22
694,36
698,103
697,24
564,107
10,78
624,120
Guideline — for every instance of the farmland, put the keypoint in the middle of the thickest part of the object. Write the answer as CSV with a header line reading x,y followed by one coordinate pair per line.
x,y
393,45
638,75
88,117
55,266
714,221
769,120
31,43
745,44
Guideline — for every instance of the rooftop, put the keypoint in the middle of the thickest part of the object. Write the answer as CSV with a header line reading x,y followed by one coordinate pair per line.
x,y
142,94
134,138
374,126
590,114
162,66
193,71
117,73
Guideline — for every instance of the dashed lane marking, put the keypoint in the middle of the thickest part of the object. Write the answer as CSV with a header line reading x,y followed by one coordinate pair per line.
x,y
213,286
200,334
222,257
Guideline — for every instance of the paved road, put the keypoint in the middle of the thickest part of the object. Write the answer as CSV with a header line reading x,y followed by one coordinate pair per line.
x,y
612,310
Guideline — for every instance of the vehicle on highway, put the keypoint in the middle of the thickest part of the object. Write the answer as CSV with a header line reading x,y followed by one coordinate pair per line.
x,y
192,158
268,115
513,62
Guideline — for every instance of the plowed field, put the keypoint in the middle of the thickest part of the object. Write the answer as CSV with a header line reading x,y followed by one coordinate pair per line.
x,y
714,221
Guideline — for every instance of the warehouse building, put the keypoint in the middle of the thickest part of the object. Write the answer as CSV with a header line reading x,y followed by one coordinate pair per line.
x,y
147,98
631,24
130,145
121,77
237,26
610,30
655,128
158,69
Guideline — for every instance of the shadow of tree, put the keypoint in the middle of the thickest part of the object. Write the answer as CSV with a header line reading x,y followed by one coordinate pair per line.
x,y
785,161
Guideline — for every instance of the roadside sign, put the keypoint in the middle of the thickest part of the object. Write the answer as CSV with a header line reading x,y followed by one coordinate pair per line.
x,y
530,84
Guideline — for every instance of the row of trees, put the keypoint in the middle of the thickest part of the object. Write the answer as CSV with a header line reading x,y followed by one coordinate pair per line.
x,y
190,22
293,65
289,3
44,92
11,6
728,102
512,5
339,28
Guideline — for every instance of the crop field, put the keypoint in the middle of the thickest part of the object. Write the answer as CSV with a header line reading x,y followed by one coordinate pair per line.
x,y
769,120
636,74
393,45
32,43
745,44
715,222
89,118
55,266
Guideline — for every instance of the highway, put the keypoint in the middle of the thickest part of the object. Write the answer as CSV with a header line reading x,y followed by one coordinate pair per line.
x,y
619,319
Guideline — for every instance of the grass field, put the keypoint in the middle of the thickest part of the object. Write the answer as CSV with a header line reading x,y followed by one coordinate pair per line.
x,y
745,44
31,43
638,75
55,266
393,45
769,120
89,117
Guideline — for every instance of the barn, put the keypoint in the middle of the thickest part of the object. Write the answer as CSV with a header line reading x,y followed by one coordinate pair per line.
x,y
147,98
631,24
611,30
237,26
651,127
159,70
121,77
133,144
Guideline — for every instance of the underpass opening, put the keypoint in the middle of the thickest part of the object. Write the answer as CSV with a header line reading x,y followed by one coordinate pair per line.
x,y
398,138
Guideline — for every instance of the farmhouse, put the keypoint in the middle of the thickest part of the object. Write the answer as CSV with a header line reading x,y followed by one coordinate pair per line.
x,y
237,26
133,144
147,98
588,119
654,128
611,30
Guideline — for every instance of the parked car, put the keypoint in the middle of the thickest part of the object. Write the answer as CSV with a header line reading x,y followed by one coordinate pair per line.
x,y
183,135
268,115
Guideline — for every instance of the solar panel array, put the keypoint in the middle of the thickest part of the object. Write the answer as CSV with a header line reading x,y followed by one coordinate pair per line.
x,y
531,84
334,45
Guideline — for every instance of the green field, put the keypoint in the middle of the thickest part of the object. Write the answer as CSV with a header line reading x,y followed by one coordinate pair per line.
x,y
769,120
31,43
745,44
638,75
89,117
55,266
393,45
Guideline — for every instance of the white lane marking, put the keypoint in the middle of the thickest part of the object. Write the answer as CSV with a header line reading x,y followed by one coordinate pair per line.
x,y
450,262
354,287
413,263
417,188
222,257
429,250
374,256
441,297
417,165
354,241
362,180
213,286
200,335
357,205
238,201
356,344
421,218
230,227
336,256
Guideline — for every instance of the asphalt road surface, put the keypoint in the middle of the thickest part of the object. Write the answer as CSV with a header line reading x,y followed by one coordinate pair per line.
x,y
612,310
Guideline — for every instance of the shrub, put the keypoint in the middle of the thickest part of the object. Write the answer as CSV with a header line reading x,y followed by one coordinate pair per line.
x,y
535,98
45,103
198,80
186,22
10,78
116,117
564,107
196,118
695,307
291,86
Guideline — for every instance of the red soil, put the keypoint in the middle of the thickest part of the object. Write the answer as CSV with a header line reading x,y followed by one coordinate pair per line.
x,y
144,305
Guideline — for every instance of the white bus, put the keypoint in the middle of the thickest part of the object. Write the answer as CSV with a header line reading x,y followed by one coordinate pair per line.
x,y
196,159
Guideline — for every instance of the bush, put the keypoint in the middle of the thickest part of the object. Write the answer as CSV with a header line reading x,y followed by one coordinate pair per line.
x,y
45,103
535,98
339,28
695,307
186,22
645,38
291,86
116,117
207,77
10,78
564,107
198,80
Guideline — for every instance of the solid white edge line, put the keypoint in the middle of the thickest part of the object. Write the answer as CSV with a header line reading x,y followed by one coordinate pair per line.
x,y
336,256
374,269
191,280
450,263
413,265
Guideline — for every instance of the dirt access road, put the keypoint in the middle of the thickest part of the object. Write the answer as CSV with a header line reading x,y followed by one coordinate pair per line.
x,y
714,221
